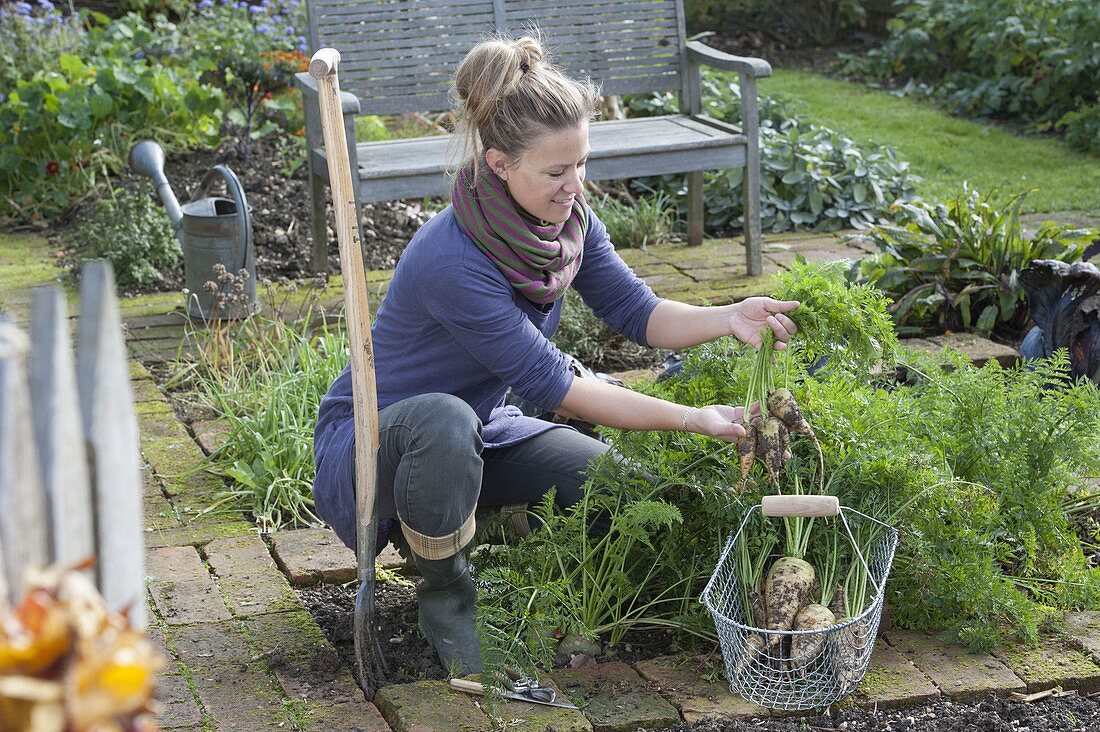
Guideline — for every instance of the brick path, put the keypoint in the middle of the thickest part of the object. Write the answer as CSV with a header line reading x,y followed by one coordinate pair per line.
x,y
245,655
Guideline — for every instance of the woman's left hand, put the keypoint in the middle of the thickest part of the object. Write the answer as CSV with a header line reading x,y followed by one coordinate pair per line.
x,y
718,420
754,313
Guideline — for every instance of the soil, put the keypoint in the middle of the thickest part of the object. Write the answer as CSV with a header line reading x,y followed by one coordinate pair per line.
x,y
408,656
274,177
786,56
1069,713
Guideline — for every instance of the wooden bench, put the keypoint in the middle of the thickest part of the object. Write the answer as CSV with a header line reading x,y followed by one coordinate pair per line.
x,y
398,57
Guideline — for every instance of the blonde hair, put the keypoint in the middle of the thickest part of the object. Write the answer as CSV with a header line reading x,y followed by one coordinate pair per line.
x,y
507,95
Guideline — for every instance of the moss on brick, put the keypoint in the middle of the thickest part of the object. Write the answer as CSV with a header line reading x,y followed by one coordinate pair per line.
x,y
25,262
409,706
1052,663
156,303
197,534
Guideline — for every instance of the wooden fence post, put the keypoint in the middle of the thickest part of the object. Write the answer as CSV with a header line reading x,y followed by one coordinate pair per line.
x,y
110,426
59,435
22,506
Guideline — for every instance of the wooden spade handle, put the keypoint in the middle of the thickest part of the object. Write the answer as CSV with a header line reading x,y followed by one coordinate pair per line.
x,y
800,506
324,63
356,307
466,685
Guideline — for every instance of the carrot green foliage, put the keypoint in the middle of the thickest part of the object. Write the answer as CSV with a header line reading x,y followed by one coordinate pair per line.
x,y
984,470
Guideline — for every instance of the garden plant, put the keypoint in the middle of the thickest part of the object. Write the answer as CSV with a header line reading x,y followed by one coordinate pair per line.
x,y
957,265
1029,61
811,176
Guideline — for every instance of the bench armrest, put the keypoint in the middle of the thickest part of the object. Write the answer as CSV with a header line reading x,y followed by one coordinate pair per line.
x,y
700,53
349,103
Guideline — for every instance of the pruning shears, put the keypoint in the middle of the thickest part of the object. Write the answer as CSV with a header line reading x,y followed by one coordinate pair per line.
x,y
519,687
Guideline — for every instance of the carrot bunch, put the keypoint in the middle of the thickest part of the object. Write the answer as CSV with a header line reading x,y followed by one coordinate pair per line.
x,y
776,415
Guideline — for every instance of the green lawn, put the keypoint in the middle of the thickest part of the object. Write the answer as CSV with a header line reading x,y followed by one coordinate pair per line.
x,y
946,150
26,260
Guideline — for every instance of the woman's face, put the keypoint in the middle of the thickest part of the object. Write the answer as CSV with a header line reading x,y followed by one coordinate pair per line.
x,y
546,178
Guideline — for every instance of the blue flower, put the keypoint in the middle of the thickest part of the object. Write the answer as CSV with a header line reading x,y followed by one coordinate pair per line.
x,y
22,8
263,28
206,4
139,55
302,45
46,5
255,9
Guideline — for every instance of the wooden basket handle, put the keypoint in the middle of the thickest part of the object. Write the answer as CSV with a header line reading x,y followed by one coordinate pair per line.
x,y
799,506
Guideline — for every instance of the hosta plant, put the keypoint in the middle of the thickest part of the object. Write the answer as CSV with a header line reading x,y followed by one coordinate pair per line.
x,y
811,177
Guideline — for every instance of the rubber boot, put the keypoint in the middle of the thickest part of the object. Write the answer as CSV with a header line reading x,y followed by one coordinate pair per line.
x,y
446,598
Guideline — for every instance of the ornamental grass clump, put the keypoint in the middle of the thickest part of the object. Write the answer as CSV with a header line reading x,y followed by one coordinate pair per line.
x,y
265,377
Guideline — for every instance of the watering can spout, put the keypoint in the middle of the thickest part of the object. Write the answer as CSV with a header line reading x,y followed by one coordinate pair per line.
x,y
147,158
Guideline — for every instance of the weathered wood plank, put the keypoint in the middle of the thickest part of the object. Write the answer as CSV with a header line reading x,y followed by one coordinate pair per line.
x,y
400,57
22,508
111,427
647,36
59,435
5,600
414,167
640,136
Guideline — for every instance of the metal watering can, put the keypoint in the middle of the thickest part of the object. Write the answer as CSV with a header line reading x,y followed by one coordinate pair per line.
x,y
211,231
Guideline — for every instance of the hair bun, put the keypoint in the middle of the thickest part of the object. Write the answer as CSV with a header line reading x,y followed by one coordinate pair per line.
x,y
529,52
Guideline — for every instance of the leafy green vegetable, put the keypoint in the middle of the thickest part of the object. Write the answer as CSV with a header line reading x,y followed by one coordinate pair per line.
x,y
849,324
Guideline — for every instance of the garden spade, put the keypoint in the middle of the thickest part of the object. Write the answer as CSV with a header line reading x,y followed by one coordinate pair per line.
x,y
368,652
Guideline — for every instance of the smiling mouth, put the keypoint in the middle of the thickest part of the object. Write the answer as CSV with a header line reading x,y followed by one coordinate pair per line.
x,y
563,202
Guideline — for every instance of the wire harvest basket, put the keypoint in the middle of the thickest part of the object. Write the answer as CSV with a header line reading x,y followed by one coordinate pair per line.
x,y
830,662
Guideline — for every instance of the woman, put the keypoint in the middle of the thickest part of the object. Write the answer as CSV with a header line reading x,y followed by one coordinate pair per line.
x,y
469,312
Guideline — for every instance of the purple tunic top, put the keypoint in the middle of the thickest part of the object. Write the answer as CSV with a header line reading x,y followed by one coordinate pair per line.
x,y
450,323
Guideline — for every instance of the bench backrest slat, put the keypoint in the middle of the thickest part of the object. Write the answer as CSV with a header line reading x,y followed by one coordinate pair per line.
x,y
398,56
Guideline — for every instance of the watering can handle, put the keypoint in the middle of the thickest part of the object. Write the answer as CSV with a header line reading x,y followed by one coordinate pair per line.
x,y
800,505
236,192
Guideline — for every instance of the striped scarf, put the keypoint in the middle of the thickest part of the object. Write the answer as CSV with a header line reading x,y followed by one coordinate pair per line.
x,y
538,260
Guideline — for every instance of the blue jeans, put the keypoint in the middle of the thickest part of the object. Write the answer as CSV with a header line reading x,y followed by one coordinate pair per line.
x,y
433,471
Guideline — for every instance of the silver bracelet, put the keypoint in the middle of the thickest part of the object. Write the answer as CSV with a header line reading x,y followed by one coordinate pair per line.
x,y
687,414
